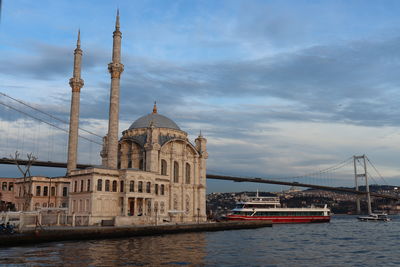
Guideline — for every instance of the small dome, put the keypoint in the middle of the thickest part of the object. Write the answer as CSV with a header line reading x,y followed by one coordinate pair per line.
x,y
159,121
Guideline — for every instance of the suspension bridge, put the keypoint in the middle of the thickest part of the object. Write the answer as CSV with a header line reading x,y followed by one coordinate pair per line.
x,y
30,129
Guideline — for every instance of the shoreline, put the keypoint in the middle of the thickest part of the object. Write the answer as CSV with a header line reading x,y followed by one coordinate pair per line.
x,y
54,234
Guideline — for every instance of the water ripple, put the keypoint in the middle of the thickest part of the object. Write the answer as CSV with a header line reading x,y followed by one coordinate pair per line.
x,y
343,242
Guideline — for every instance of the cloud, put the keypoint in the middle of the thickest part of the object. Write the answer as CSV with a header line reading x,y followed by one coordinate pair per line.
x,y
42,61
354,83
257,113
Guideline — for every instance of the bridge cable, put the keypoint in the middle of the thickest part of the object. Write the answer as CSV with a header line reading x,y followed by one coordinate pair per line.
x,y
48,114
370,176
309,175
332,168
376,170
48,123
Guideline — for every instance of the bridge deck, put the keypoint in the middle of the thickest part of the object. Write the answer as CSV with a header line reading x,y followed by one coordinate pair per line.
x,y
218,177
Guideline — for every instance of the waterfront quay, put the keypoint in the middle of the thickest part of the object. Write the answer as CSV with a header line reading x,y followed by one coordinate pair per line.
x,y
52,234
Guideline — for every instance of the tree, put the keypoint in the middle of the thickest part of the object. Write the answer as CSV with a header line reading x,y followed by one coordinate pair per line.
x,y
26,173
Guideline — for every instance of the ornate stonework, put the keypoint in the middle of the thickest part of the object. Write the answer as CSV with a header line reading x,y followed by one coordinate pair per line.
x,y
115,70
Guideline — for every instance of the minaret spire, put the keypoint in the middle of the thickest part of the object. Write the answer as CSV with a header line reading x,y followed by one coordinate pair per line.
x,y
155,107
76,84
117,21
78,42
115,68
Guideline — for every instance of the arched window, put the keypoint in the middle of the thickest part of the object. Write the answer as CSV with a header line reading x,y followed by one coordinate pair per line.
x,y
163,167
114,186
176,172
76,186
38,190
10,186
107,186
140,187
99,185
141,165
162,189
4,186
156,189
82,189
121,187
88,185
129,160
132,186
148,187
53,191
45,191
187,171
65,191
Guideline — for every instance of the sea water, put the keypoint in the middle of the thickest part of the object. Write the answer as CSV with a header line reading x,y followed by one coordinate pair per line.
x,y
342,242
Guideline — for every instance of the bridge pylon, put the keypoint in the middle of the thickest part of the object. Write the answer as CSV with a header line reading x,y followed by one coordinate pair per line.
x,y
362,174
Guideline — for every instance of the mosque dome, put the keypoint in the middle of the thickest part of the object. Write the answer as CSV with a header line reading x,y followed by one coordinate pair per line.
x,y
158,121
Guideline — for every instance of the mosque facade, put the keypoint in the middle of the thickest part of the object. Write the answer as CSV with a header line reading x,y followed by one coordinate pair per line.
x,y
152,174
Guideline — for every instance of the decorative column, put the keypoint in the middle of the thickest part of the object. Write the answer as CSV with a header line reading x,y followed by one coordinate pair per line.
x,y
115,68
76,84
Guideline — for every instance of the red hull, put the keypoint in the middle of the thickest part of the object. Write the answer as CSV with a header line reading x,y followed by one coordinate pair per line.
x,y
282,219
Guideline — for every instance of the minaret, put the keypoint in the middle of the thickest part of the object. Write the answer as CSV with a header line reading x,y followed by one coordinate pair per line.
x,y
201,146
115,68
76,84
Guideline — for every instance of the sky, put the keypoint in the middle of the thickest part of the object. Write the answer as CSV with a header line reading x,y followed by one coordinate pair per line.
x,y
278,88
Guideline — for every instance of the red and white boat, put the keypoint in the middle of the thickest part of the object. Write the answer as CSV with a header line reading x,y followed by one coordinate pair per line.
x,y
269,208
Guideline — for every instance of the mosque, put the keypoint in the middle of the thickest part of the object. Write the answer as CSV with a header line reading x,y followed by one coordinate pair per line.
x,y
152,174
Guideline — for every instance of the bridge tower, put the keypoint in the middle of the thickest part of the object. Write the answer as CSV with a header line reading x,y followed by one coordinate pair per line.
x,y
76,84
115,68
363,174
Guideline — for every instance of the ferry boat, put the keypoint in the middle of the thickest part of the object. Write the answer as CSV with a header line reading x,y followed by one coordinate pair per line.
x,y
375,217
269,208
